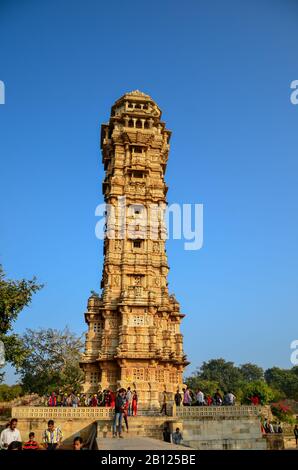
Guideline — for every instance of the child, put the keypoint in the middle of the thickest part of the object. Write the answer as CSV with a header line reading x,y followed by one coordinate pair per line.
x,y
31,444
77,443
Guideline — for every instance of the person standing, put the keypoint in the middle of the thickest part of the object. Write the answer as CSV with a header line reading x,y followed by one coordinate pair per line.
x,y
134,403
59,399
255,400
52,436
200,398
69,400
217,398
100,398
53,399
94,401
209,400
64,400
166,434
231,399
177,437
125,413
119,408
186,397
296,433
112,399
129,400
164,403
10,434
178,398
75,400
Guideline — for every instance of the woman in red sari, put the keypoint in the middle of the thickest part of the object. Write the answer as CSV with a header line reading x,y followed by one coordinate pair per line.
x,y
112,399
52,400
134,404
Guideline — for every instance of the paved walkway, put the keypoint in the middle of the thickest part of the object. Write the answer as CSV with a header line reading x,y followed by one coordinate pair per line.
x,y
137,443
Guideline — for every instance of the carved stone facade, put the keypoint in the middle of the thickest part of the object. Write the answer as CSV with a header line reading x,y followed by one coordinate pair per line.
x,y
133,336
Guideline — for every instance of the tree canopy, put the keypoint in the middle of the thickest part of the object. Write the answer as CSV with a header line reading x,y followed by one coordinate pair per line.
x,y
14,297
52,361
245,380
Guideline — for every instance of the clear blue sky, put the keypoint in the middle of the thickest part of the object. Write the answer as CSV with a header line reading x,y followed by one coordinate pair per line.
x,y
221,72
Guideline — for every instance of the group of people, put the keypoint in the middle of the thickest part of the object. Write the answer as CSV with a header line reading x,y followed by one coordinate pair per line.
x,y
10,438
104,398
198,398
268,427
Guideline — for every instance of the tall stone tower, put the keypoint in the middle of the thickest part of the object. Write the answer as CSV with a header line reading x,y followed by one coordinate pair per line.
x,y
133,336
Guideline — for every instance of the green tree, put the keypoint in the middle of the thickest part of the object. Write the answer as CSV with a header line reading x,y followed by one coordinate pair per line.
x,y
14,297
285,380
260,389
52,361
251,372
10,392
222,372
194,382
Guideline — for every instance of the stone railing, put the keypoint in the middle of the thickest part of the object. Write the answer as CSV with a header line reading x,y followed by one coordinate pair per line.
x,y
196,412
62,412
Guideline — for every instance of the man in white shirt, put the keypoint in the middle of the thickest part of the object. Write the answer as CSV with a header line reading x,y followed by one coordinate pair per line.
x,y
231,398
200,397
10,434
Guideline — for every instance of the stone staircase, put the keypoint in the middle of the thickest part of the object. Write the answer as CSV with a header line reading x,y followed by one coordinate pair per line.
x,y
138,426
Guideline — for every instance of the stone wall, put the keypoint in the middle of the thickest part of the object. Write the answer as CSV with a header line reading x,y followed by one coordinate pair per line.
x,y
222,433
236,427
72,421
220,428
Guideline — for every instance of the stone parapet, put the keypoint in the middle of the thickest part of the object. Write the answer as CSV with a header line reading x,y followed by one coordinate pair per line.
x,y
37,412
216,412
